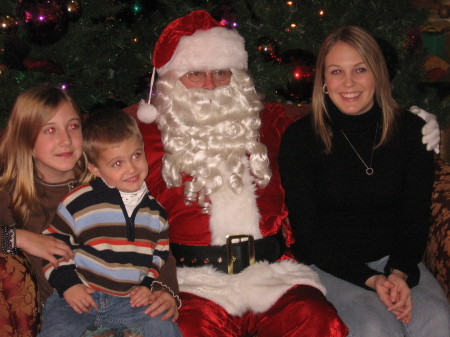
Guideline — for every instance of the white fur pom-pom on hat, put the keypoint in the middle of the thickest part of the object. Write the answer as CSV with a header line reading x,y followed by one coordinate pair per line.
x,y
146,112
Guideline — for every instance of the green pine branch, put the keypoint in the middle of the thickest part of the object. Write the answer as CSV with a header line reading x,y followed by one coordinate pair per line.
x,y
106,53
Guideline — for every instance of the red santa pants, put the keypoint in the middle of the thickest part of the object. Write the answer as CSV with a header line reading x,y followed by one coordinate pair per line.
x,y
303,311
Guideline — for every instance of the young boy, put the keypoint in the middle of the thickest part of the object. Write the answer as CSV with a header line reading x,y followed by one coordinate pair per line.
x,y
119,235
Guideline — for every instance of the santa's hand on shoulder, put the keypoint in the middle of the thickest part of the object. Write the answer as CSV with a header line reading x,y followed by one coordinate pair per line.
x,y
430,131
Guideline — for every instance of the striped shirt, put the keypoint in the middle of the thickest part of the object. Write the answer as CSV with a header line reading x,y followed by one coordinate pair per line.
x,y
114,252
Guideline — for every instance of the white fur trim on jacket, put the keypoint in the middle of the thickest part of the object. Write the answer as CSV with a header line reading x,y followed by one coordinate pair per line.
x,y
256,288
233,213
212,49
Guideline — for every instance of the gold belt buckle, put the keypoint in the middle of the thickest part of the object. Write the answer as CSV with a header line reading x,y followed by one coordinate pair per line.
x,y
251,250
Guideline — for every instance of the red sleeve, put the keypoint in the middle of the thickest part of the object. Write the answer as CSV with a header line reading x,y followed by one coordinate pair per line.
x,y
271,198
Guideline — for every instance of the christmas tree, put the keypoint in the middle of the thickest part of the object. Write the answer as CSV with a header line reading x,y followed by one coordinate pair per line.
x,y
101,50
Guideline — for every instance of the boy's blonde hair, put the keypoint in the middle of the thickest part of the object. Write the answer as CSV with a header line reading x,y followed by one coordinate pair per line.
x,y
31,111
105,128
370,52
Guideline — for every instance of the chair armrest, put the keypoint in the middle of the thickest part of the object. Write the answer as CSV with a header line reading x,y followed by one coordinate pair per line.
x,y
437,252
19,299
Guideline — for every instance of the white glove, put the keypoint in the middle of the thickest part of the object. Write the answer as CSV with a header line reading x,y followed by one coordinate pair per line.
x,y
430,131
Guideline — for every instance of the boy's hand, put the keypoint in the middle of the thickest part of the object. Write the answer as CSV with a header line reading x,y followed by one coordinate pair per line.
x,y
80,299
140,296
162,301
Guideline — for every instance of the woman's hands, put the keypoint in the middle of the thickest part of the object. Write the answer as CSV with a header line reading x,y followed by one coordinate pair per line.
x,y
159,300
394,293
400,296
43,246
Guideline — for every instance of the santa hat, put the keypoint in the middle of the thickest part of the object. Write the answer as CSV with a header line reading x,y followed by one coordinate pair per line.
x,y
194,42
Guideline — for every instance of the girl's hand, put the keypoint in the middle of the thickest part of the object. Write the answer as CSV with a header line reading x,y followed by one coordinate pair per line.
x,y
140,296
80,299
400,296
43,246
163,301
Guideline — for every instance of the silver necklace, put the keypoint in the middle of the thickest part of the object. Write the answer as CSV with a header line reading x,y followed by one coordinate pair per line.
x,y
369,169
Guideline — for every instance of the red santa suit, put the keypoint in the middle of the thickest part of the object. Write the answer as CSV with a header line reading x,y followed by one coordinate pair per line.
x,y
226,291
272,299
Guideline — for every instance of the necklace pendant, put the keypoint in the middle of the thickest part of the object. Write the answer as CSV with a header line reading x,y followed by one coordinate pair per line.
x,y
369,170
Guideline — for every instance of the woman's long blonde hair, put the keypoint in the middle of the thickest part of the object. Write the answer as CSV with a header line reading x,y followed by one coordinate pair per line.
x,y
31,111
370,52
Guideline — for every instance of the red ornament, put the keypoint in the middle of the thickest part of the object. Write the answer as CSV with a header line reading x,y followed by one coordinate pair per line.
x,y
300,67
46,20
43,66
413,41
16,50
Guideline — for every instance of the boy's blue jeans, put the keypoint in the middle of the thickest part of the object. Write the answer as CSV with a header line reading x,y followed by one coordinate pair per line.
x,y
60,320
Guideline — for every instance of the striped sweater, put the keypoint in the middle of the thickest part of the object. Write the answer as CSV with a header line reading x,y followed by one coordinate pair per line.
x,y
113,252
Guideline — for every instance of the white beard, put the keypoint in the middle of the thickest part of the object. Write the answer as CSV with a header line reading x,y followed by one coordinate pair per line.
x,y
234,213
213,136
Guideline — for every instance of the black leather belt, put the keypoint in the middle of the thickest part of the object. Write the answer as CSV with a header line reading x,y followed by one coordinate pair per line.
x,y
233,257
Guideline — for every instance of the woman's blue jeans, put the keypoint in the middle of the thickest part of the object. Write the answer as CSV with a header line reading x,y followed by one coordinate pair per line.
x,y
60,320
365,315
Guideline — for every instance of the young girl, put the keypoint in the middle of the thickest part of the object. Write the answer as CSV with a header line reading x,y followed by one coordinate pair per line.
x,y
41,159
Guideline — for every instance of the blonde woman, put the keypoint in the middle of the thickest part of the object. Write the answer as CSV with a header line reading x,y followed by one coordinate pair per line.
x,y
358,184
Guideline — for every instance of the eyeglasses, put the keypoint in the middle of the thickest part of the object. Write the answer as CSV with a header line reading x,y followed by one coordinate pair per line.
x,y
221,75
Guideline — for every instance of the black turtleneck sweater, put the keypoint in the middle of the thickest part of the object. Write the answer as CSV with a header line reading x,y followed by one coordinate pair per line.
x,y
343,218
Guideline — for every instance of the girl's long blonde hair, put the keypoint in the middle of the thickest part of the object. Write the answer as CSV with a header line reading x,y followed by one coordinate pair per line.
x,y
31,111
372,56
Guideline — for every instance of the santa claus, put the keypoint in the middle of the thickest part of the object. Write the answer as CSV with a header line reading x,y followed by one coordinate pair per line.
x,y
212,152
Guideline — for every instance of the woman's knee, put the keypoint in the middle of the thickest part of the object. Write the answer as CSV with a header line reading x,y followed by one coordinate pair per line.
x,y
430,320
374,323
